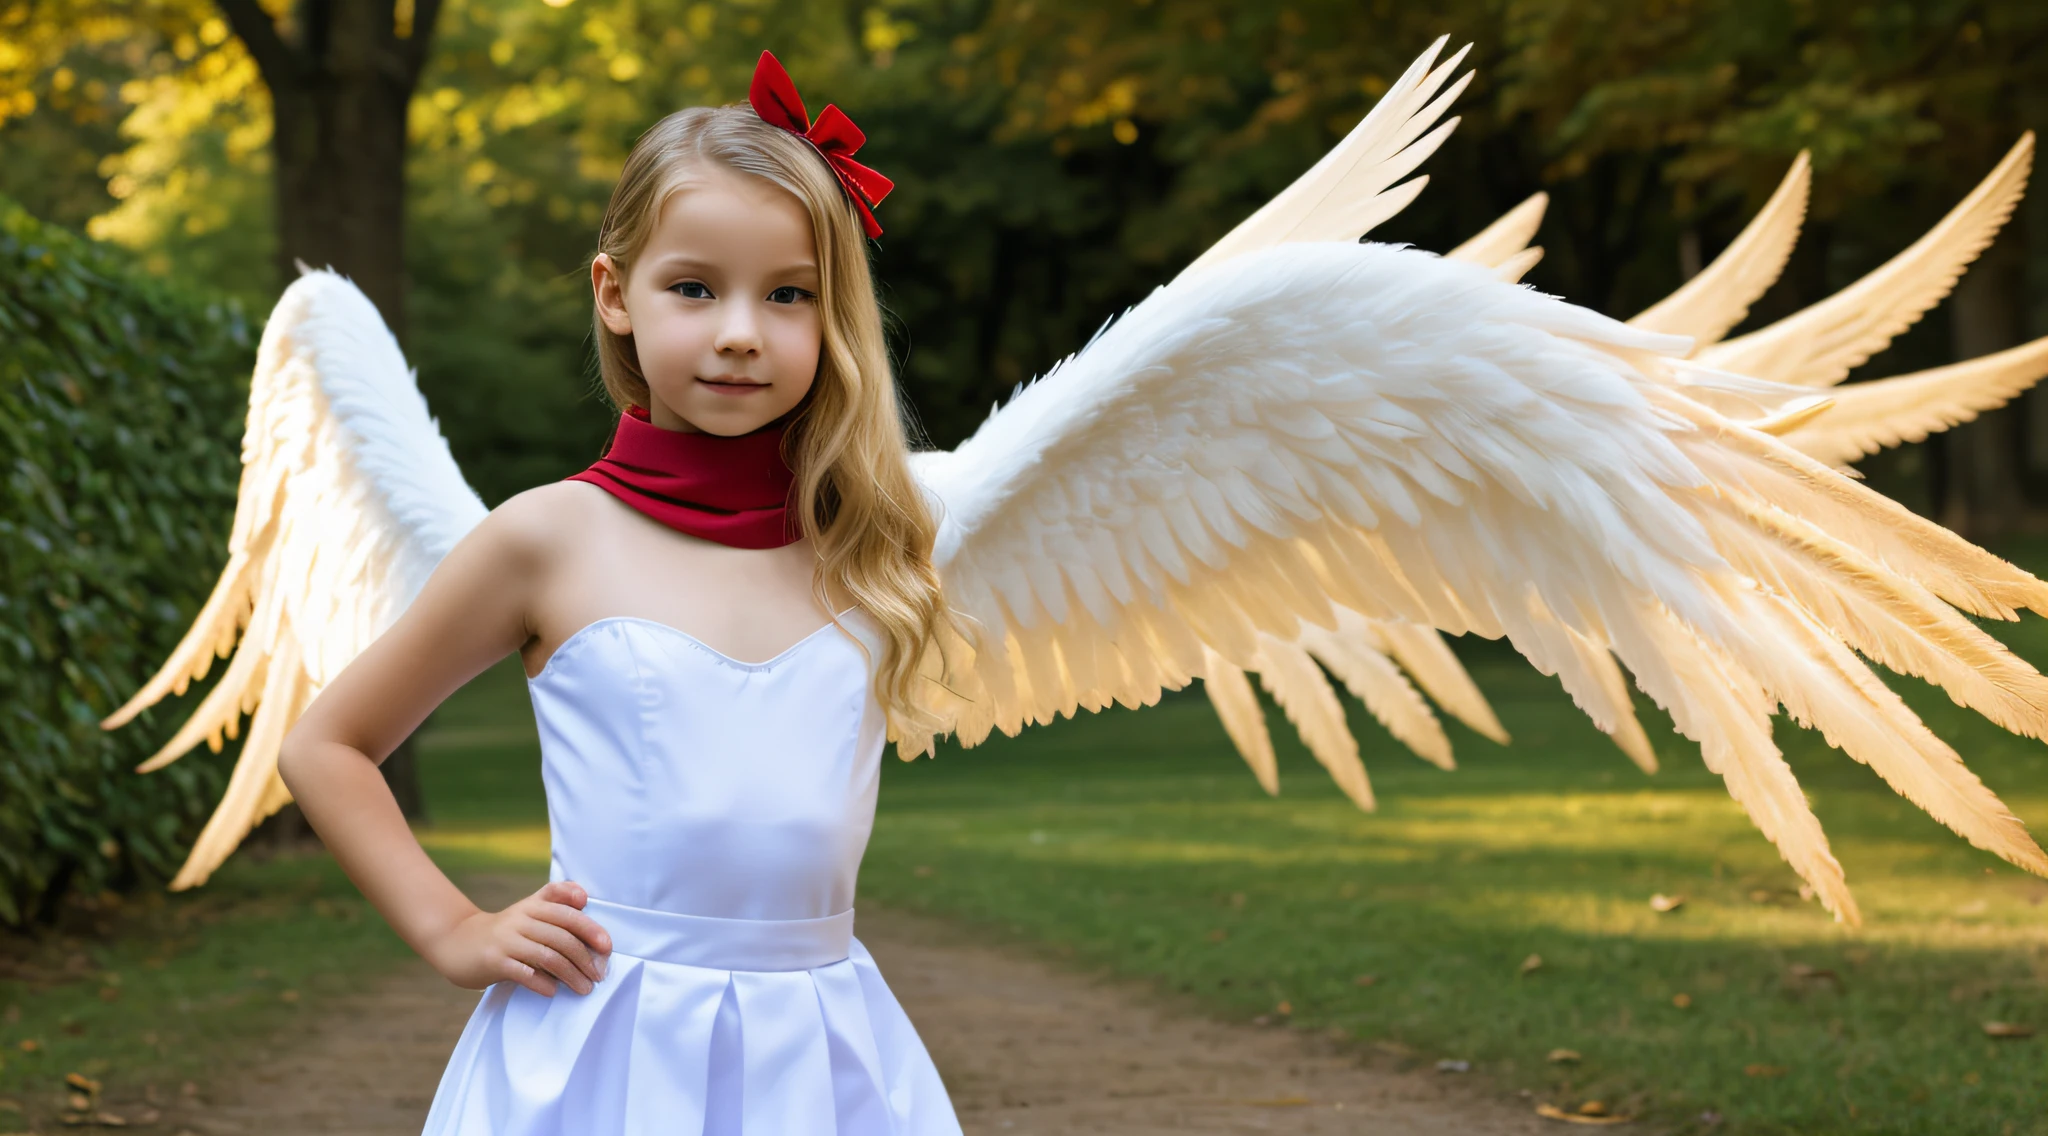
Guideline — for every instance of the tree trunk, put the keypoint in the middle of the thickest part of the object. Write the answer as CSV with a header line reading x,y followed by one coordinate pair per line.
x,y
1982,496
339,88
341,74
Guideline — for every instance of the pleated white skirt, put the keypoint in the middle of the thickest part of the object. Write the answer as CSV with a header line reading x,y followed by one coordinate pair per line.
x,y
677,1040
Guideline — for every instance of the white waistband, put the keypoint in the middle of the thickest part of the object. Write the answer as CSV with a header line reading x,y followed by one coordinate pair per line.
x,y
724,944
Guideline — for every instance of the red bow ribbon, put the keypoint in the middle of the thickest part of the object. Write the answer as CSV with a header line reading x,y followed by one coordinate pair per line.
x,y
834,136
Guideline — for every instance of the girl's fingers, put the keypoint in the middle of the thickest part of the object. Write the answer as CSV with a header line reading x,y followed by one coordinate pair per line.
x,y
528,977
566,945
546,959
576,923
563,891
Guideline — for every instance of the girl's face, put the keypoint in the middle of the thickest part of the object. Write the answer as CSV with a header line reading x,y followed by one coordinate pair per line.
x,y
722,304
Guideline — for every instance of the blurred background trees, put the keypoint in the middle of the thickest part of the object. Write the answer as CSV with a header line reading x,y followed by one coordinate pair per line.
x,y
1056,159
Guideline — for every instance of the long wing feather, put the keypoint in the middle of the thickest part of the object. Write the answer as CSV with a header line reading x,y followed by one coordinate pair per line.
x,y
348,499
1333,424
1822,344
1870,416
1706,306
1507,237
1244,720
1422,652
1356,655
1353,188
1304,695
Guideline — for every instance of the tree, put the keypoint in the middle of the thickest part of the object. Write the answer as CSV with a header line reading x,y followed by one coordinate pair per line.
x,y
341,75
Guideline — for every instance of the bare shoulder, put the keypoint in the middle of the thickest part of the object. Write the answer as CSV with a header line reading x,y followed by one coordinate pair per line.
x,y
534,525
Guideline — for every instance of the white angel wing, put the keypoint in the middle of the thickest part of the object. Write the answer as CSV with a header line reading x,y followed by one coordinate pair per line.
x,y
1863,418
1860,419
1820,345
1353,188
349,498
1419,442
1715,300
1504,245
1344,196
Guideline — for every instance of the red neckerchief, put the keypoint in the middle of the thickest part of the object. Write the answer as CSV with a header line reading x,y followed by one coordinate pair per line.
x,y
732,490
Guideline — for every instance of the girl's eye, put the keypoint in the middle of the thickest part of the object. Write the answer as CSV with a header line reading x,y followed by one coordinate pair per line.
x,y
692,290
788,294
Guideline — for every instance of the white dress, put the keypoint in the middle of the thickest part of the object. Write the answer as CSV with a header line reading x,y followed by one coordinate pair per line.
x,y
716,812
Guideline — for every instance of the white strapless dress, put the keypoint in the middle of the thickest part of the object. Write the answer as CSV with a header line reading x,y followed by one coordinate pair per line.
x,y
716,812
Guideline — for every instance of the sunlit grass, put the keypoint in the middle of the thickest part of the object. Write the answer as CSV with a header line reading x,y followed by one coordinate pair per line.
x,y
1137,842
186,986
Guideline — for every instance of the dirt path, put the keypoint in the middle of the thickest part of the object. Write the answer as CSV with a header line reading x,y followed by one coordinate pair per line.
x,y
1024,1048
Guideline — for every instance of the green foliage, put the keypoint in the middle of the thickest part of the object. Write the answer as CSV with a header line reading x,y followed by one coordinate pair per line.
x,y
1055,159
121,404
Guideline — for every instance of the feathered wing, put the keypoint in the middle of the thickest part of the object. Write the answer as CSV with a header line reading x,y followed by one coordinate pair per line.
x,y
1334,424
1716,299
1863,418
1504,245
1358,183
349,498
1822,344
1351,190
1859,419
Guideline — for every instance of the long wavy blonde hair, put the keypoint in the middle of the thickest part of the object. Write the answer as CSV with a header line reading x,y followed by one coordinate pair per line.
x,y
857,499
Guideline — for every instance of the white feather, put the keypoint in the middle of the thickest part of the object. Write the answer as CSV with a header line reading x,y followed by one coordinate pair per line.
x,y
1533,471
349,498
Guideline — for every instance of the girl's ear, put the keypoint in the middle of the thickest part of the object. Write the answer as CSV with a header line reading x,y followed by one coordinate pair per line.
x,y
608,288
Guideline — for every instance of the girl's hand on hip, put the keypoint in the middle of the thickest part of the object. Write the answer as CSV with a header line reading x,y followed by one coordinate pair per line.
x,y
542,940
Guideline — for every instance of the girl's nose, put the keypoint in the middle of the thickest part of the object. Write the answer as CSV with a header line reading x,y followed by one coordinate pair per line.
x,y
740,331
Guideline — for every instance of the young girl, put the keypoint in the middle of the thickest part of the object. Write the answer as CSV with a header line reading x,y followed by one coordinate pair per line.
x,y
716,621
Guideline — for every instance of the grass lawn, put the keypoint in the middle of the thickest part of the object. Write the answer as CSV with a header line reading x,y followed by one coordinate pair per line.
x,y
1137,842
168,988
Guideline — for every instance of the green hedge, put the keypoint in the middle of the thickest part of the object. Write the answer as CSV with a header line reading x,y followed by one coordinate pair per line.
x,y
122,399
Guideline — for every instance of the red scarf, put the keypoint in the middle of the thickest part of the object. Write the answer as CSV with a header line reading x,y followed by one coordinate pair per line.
x,y
734,490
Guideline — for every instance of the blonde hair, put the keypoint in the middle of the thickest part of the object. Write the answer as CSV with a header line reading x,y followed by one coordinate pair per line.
x,y
855,495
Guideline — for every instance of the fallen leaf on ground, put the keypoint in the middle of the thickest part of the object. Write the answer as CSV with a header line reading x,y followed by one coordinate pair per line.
x,y
2007,1030
1563,1057
1532,964
1552,1112
1661,902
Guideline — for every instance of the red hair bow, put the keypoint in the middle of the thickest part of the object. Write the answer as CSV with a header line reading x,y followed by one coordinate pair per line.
x,y
834,136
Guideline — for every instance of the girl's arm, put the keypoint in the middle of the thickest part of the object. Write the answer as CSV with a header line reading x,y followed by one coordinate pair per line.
x,y
473,611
